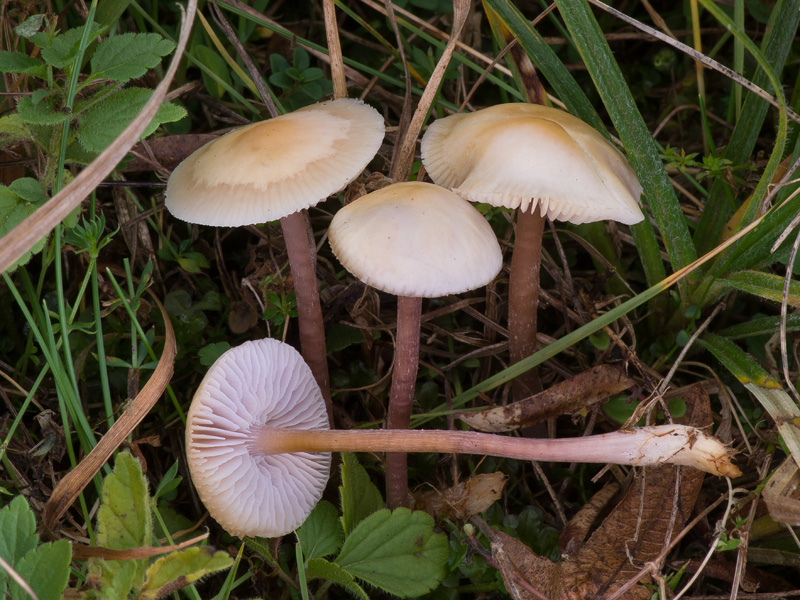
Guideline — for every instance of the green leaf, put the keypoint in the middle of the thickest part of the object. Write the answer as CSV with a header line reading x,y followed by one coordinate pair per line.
x,y
105,121
13,129
319,568
17,62
64,47
360,498
179,569
29,189
338,337
113,579
124,519
397,552
765,285
17,530
51,559
14,210
742,366
39,113
217,65
128,56
209,353
321,533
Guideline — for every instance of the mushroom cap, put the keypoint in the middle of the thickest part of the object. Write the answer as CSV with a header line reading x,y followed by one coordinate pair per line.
x,y
415,239
516,155
270,169
263,382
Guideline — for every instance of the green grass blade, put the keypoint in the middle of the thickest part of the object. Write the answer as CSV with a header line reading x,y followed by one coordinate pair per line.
x,y
642,150
776,45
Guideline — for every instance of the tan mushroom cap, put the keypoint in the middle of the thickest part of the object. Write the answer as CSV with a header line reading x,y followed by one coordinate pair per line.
x,y
516,155
271,169
260,383
415,239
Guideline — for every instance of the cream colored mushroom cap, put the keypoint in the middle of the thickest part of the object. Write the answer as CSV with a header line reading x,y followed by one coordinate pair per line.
x,y
518,155
270,169
415,239
259,383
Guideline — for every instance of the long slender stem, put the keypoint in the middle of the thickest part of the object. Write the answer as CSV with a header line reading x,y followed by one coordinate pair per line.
x,y
644,446
401,396
309,311
523,297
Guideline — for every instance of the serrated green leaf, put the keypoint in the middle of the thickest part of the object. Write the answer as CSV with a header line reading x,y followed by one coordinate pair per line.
x,y
741,365
46,569
113,579
13,129
17,62
319,568
129,55
179,569
360,498
39,113
105,121
124,519
63,48
17,530
321,533
217,65
14,210
397,552
29,189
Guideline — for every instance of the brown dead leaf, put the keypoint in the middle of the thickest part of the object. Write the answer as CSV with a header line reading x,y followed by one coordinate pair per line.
x,y
634,533
464,499
782,493
571,395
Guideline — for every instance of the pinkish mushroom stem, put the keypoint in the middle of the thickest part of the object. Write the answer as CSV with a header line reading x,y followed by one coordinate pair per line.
x,y
401,395
309,311
523,297
643,446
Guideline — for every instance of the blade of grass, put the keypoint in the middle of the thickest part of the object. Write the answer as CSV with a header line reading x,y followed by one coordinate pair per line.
x,y
775,46
642,150
73,483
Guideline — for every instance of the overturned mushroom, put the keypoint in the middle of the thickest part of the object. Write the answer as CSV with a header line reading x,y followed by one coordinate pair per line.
x,y
258,444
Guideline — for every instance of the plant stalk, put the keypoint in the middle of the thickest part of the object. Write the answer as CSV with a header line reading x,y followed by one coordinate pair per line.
x,y
401,396
309,311
642,446
523,297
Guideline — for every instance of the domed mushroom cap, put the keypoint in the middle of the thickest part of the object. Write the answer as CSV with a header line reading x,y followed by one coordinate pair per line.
x,y
271,169
516,155
260,383
415,239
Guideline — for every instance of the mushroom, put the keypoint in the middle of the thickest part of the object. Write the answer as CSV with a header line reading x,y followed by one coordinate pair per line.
x,y
415,240
273,170
258,443
543,162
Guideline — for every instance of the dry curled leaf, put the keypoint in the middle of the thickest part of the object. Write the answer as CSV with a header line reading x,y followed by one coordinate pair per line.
x,y
571,395
782,493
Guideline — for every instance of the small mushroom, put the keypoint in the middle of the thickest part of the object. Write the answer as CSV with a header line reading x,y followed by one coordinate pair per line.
x,y
415,240
258,444
273,170
543,162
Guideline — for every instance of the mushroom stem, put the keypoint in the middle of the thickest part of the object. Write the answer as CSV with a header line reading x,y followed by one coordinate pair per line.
x,y
523,297
643,446
401,396
309,311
